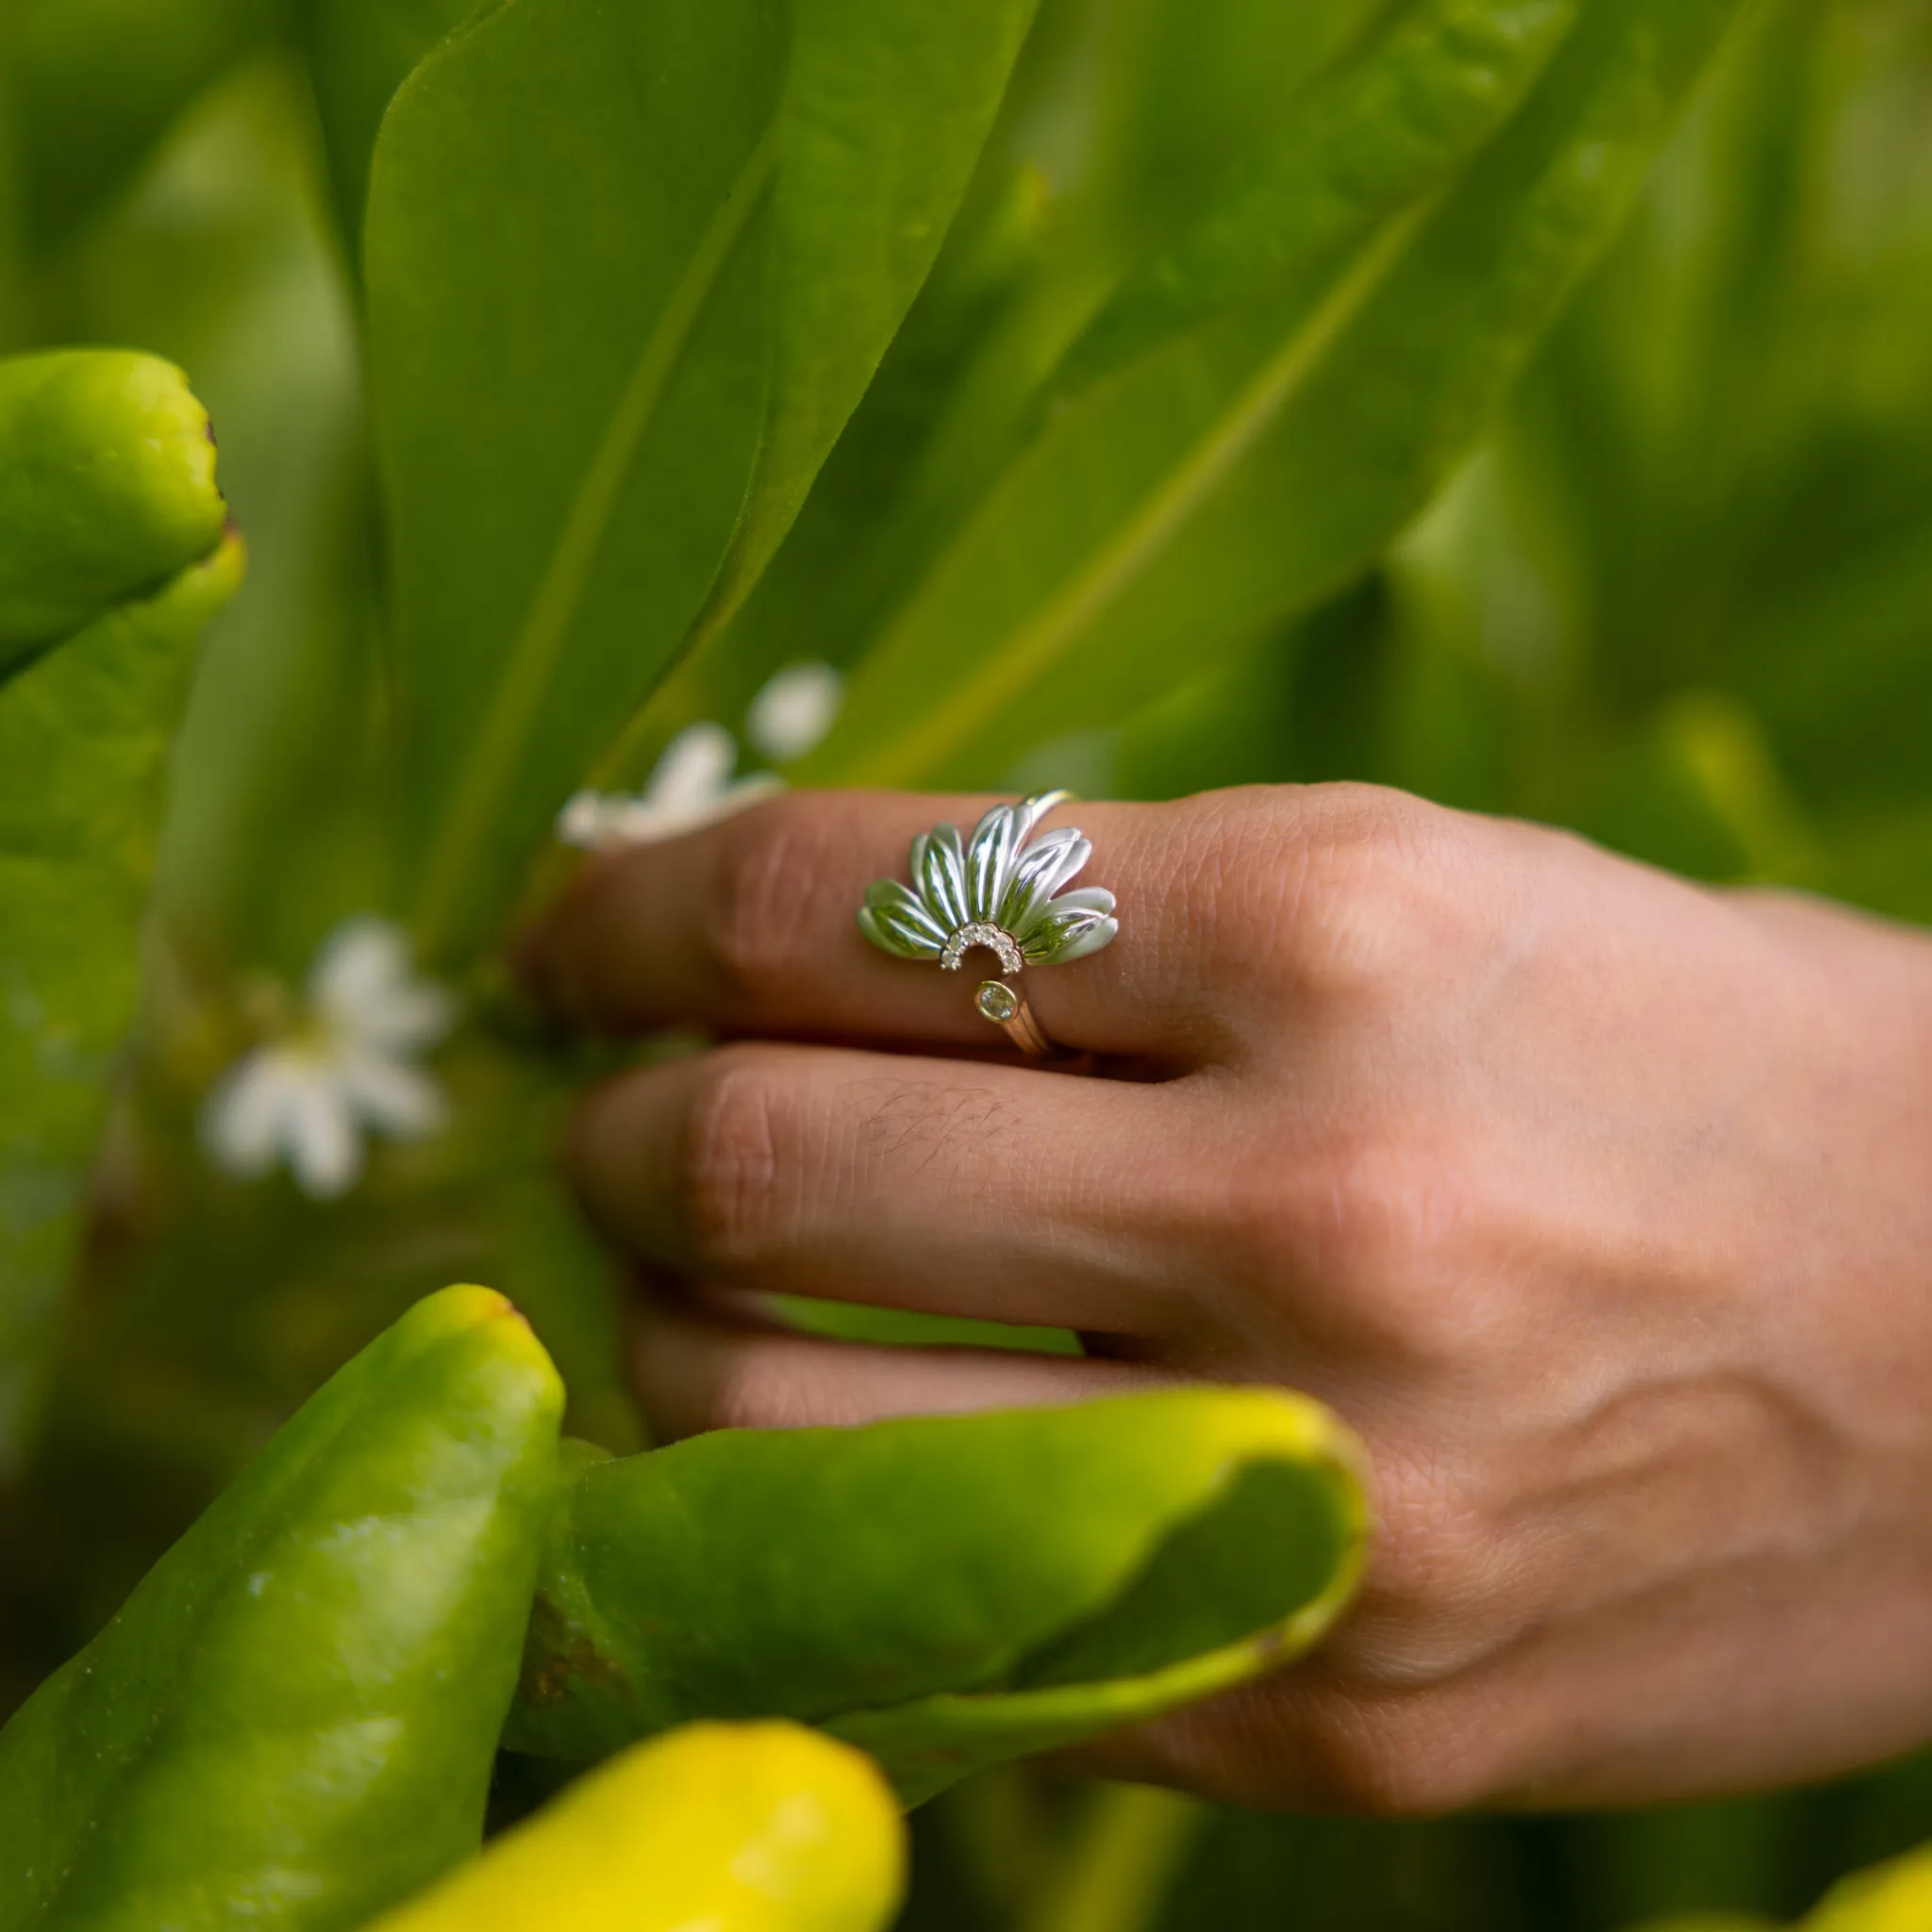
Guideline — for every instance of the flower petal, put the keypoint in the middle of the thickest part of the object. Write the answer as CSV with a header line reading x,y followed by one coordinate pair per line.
x,y
244,1117
391,1096
989,861
694,772
792,713
938,874
1085,899
586,820
361,963
363,990
411,1019
1062,937
1030,811
1042,868
324,1151
896,922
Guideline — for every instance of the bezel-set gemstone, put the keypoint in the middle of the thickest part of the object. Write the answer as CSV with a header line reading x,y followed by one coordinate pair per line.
x,y
996,1001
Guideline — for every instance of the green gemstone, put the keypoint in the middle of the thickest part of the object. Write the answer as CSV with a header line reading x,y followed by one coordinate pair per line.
x,y
998,1003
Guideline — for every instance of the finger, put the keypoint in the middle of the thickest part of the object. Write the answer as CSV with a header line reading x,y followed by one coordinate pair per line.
x,y
945,1187
694,1373
750,926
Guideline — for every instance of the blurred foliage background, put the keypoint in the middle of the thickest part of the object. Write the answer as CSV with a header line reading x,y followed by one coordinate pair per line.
x,y
1680,600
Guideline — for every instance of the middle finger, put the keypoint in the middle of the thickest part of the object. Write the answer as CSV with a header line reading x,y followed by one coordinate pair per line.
x,y
945,1187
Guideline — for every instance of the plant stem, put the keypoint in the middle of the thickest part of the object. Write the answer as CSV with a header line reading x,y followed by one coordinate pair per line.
x,y
1121,1864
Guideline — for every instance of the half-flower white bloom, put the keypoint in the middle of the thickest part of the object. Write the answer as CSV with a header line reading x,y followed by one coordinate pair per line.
x,y
795,710
347,1068
1002,888
691,785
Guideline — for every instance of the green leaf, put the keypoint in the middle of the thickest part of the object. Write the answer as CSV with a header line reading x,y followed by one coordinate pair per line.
x,y
1184,88
950,1592
91,85
1893,1897
358,53
291,1721
83,735
1386,130
107,488
630,269
714,1829
1232,477
888,104
1180,90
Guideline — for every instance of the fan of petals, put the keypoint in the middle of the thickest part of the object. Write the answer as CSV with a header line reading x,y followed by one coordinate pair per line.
x,y
994,878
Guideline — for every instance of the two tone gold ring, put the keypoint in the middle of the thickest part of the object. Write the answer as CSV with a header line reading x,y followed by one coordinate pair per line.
x,y
1004,891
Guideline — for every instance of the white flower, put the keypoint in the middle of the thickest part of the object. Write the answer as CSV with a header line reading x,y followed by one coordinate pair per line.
x,y
349,1066
695,782
690,786
792,713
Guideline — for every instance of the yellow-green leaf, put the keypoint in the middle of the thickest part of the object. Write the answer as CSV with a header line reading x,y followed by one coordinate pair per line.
x,y
763,1828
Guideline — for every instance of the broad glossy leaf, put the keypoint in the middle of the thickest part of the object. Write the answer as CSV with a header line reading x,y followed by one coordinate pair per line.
x,y
764,1828
1234,475
630,269
90,85
358,53
1386,130
84,734
1180,89
1187,87
107,488
1893,1897
888,106
945,1591
291,1719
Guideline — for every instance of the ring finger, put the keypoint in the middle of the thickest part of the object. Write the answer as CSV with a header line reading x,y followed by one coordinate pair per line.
x,y
749,927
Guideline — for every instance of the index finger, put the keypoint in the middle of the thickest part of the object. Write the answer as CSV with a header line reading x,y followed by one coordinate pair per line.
x,y
750,926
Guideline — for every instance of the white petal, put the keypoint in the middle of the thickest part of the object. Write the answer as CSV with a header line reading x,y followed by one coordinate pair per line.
x,y
243,1118
745,792
408,1019
393,1097
694,771
642,822
324,1149
585,819
792,713
938,875
1047,864
360,962
1030,811
990,855
365,992
1094,939
897,921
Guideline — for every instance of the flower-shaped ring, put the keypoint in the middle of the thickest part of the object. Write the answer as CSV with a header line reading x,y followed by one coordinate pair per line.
x,y
1001,890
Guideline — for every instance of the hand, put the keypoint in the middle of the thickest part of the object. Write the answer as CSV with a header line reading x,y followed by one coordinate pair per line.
x,y
1599,1203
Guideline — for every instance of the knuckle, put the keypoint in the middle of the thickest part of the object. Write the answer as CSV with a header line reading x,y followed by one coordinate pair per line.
x,y
1258,1219
727,1170
1364,888
764,899
1392,1230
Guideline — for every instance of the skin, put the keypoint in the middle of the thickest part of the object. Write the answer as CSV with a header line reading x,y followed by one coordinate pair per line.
x,y
1599,1203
